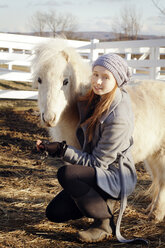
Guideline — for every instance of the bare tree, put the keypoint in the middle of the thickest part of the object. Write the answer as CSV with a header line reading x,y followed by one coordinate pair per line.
x,y
38,22
53,22
62,23
69,24
128,24
159,7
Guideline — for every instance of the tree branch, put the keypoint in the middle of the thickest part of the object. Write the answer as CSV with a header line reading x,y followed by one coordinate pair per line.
x,y
158,7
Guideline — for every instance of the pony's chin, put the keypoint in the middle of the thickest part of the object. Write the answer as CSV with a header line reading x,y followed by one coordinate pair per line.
x,y
50,125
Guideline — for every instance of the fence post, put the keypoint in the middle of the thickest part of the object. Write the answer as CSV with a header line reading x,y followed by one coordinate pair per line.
x,y
10,63
154,57
134,69
157,58
128,56
93,50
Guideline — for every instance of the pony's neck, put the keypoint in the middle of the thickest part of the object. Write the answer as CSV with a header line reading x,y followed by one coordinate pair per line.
x,y
70,114
68,124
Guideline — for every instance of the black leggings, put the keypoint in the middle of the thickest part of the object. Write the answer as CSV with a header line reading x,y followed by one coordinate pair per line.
x,y
76,181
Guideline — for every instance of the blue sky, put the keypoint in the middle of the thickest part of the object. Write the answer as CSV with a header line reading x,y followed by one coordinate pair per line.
x,y
92,15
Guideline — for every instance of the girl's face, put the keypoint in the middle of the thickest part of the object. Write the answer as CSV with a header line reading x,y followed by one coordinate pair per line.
x,y
102,80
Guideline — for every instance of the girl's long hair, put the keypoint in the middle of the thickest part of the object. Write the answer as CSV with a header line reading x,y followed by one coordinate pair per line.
x,y
102,106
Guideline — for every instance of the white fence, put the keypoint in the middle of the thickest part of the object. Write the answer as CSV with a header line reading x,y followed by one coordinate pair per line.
x,y
146,57
16,53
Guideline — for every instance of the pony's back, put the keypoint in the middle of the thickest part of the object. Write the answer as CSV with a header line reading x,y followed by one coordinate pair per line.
x,y
148,101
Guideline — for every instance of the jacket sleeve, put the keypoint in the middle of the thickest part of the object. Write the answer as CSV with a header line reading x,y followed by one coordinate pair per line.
x,y
113,139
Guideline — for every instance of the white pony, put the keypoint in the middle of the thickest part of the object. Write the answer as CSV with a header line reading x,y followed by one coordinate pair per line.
x,y
61,75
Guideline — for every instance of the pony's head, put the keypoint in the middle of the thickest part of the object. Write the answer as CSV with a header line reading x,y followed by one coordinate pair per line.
x,y
59,72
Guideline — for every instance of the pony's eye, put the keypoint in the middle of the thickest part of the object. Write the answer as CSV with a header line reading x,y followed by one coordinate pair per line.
x,y
66,81
39,80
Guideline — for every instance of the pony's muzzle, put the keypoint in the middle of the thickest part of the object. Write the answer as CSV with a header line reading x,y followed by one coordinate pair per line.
x,y
48,122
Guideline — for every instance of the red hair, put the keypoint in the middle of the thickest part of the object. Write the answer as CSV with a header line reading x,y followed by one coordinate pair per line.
x,y
102,106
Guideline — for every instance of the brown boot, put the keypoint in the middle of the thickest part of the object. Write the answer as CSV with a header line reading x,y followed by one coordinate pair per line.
x,y
99,230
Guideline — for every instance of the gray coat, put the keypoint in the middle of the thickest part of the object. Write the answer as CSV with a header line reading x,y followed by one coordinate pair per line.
x,y
112,140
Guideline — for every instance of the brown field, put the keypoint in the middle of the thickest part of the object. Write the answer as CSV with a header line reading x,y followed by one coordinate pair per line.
x,y
28,182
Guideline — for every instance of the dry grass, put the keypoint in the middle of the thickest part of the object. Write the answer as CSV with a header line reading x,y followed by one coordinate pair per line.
x,y
28,183
16,67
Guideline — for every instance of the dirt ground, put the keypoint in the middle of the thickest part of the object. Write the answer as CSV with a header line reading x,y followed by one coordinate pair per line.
x,y
28,182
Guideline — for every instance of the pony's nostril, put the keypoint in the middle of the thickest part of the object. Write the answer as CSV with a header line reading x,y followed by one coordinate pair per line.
x,y
43,117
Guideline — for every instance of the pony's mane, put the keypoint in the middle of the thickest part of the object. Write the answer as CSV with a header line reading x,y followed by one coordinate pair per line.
x,y
47,53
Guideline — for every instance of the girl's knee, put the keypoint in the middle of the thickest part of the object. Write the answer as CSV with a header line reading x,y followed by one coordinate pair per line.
x,y
49,213
61,173
52,214
64,174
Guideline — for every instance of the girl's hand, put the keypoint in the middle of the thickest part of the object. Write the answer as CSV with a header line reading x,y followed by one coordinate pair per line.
x,y
40,146
54,149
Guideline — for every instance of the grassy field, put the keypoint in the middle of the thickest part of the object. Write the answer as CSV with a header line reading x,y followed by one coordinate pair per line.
x,y
28,182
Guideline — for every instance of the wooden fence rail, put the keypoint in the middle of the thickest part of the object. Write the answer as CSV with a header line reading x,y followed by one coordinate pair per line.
x,y
146,57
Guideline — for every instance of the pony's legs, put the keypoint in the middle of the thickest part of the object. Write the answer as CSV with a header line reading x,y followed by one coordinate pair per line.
x,y
153,190
160,209
157,166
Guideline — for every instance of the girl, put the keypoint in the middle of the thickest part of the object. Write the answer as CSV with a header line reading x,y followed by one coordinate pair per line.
x,y
103,171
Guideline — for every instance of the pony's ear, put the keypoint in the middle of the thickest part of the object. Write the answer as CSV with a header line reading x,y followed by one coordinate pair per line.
x,y
66,56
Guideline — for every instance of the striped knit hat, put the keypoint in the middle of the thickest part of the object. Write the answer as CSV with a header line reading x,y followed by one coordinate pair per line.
x,y
116,65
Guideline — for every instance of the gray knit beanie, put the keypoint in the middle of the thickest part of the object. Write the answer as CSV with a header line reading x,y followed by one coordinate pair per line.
x,y
116,65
